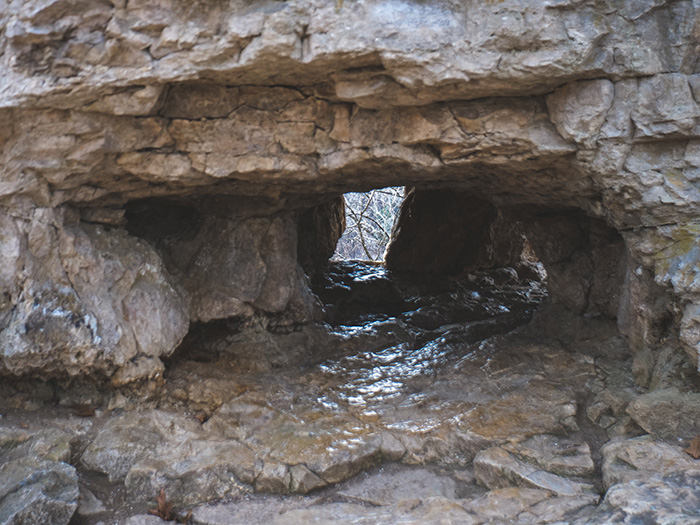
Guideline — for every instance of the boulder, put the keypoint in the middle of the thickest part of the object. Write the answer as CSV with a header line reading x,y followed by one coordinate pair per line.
x,y
37,485
667,413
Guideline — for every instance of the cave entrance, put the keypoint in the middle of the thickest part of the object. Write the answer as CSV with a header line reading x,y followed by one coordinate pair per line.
x,y
458,341
369,220
452,258
456,258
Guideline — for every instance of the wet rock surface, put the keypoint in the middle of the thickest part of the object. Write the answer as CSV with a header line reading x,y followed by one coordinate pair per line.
x,y
431,418
158,162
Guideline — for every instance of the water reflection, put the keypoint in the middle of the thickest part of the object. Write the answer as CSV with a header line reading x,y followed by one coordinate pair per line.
x,y
397,333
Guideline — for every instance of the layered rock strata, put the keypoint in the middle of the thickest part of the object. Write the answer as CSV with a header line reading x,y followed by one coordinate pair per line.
x,y
251,113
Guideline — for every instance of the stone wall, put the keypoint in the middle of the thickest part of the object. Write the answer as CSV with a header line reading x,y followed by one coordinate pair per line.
x,y
252,112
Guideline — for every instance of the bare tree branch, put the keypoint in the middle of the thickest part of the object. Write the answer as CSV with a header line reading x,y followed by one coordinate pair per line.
x,y
370,218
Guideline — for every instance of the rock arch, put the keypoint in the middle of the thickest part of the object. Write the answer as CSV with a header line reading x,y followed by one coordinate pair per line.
x,y
275,108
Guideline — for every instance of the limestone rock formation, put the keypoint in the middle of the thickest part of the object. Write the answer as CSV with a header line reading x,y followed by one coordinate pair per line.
x,y
173,170
85,300
580,116
37,485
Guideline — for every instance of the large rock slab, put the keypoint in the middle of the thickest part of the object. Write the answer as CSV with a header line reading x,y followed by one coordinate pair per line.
x,y
432,510
667,414
496,468
147,45
386,488
527,505
642,459
320,447
672,498
154,450
37,485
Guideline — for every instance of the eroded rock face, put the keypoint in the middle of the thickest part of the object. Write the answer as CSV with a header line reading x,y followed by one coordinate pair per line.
x,y
86,300
320,228
230,266
37,485
266,109
584,260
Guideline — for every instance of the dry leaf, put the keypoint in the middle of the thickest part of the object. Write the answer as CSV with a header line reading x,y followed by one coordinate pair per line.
x,y
165,507
694,448
201,416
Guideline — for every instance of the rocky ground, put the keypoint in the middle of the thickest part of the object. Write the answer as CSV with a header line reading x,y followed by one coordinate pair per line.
x,y
426,402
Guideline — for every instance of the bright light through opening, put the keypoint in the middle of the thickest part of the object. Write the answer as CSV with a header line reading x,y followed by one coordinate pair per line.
x,y
369,220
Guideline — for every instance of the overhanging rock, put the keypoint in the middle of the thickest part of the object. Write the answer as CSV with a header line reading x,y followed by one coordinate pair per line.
x,y
253,112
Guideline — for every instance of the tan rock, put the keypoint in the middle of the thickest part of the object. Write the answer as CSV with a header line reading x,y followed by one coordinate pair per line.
x,y
641,459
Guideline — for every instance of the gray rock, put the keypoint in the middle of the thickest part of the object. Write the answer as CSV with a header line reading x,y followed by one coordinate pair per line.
x,y
193,472
667,107
579,109
303,480
432,510
36,483
97,322
232,267
126,440
51,444
247,511
496,468
89,504
37,491
153,450
670,499
562,509
526,505
387,488
561,456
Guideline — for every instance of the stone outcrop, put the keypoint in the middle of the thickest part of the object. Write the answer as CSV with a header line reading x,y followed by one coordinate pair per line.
x,y
581,115
37,485
85,300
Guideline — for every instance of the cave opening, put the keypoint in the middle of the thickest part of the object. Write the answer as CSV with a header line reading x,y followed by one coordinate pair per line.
x,y
446,245
369,220
259,288
481,322
467,287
